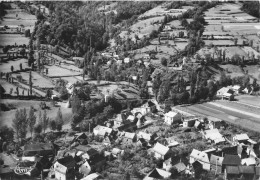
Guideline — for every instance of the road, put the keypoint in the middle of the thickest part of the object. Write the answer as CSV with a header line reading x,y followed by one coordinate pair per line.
x,y
235,116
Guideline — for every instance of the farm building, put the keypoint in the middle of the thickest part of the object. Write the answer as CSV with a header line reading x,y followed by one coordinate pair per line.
x,y
172,117
225,93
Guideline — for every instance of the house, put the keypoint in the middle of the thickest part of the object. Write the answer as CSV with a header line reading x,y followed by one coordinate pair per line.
x,y
214,123
41,149
241,138
143,135
102,130
248,161
131,118
231,172
160,151
128,127
85,168
171,142
130,136
180,167
93,176
157,174
225,93
201,157
118,121
167,164
172,117
65,168
189,121
247,172
214,135
257,173
216,163
231,160
116,152
236,89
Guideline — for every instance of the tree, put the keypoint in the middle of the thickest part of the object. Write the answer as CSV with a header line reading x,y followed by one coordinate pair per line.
x,y
52,125
30,82
12,68
108,111
164,61
20,123
63,93
2,91
45,121
31,120
6,133
59,120
27,33
21,66
38,128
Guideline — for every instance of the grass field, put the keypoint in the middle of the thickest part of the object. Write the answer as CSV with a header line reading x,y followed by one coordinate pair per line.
x,y
58,71
6,66
12,39
37,80
6,117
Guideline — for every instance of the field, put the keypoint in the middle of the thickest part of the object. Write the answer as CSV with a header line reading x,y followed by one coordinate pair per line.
x,y
37,80
7,86
6,66
59,72
232,112
6,117
12,39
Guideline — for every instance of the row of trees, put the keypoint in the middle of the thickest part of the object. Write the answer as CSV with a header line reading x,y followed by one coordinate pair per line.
x,y
23,123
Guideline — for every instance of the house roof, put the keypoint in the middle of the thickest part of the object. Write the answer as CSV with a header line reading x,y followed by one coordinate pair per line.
x,y
180,167
214,135
231,160
161,149
251,141
116,151
247,169
92,176
144,135
131,118
38,147
232,170
257,171
248,161
199,156
241,137
171,114
224,90
102,130
157,174
216,160
129,135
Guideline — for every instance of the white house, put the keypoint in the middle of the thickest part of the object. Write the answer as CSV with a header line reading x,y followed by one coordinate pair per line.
x,y
225,93
102,130
172,117
65,168
240,138
214,135
160,151
201,157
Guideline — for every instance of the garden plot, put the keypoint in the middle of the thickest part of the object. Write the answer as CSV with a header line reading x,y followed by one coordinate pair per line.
x,y
55,71
6,66
233,70
12,39
37,80
7,86
157,11
175,24
255,38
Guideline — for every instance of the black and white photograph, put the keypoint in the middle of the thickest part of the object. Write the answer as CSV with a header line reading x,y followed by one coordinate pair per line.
x,y
130,90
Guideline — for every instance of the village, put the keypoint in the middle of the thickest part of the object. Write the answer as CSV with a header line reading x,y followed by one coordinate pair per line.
x,y
171,92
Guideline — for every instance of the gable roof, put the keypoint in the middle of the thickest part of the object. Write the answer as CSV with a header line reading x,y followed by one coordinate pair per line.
x,y
129,135
67,161
161,149
102,130
199,156
38,147
231,160
232,170
157,174
171,114
241,137
216,160
180,167
214,135
247,169
144,135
